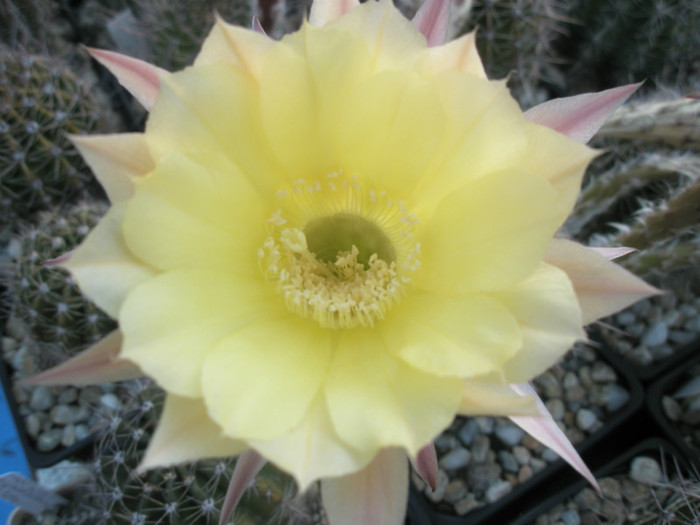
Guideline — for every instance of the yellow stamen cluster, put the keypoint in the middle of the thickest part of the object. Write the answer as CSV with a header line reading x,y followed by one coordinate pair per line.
x,y
343,265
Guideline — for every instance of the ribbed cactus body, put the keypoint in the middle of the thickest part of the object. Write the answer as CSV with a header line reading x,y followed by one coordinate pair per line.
x,y
187,493
516,38
175,29
46,297
40,105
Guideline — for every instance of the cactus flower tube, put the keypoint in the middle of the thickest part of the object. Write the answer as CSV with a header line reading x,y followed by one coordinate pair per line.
x,y
324,248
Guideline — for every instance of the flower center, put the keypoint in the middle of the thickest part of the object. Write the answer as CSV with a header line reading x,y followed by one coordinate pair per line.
x,y
338,253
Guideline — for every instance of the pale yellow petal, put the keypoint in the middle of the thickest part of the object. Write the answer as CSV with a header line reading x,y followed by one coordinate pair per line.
x,y
393,126
549,316
312,450
390,38
602,287
116,160
459,54
290,114
451,336
324,11
235,45
489,398
196,211
377,401
377,495
489,234
186,433
565,169
103,266
213,108
484,134
259,382
172,322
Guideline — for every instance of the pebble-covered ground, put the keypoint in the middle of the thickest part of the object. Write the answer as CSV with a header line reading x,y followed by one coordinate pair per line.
x,y
646,493
682,407
54,417
482,459
653,329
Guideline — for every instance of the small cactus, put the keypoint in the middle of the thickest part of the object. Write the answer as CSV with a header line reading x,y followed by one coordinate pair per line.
x,y
186,493
175,29
516,38
40,104
46,298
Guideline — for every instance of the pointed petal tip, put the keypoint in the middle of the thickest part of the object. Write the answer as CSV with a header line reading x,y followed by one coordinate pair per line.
x,y
257,26
97,365
247,467
581,116
57,261
426,465
139,78
432,20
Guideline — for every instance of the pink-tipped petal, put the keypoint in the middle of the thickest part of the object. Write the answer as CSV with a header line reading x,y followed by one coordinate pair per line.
x,y
247,467
613,253
98,364
432,20
139,78
61,259
426,465
545,430
581,116
257,26
116,160
460,54
324,11
602,287
376,495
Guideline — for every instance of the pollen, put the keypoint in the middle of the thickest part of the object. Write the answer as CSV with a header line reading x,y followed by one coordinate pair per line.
x,y
338,253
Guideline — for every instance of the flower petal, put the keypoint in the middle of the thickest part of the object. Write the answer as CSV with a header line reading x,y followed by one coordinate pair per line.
x,y
235,45
116,160
545,430
459,54
563,170
485,133
602,287
489,398
432,20
504,222
98,364
196,211
186,433
312,450
612,252
426,465
140,78
547,310
451,336
103,266
273,371
247,467
581,116
377,495
390,38
324,11
171,322
219,108
393,126
377,401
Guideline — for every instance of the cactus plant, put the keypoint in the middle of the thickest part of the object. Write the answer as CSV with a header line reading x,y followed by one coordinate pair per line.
x,y
46,298
175,30
40,104
615,42
516,38
186,493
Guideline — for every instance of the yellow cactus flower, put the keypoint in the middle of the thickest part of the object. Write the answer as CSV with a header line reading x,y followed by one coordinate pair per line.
x,y
325,247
